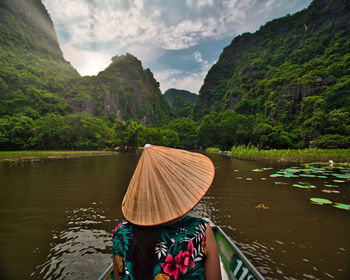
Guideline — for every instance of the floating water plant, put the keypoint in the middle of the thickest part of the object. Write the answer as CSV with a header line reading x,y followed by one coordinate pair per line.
x,y
331,186
281,183
263,178
342,206
320,201
338,181
267,168
326,191
304,185
307,175
248,179
276,175
330,191
257,170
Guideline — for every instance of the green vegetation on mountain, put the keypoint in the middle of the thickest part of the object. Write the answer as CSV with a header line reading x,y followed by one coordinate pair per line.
x,y
33,72
45,104
185,95
285,86
124,90
289,82
181,101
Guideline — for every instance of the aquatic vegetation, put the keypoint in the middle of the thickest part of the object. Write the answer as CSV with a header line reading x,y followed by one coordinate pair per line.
x,y
342,206
330,191
304,185
257,170
338,181
310,154
320,201
331,186
213,150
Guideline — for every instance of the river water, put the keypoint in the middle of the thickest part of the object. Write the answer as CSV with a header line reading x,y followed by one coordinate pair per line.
x,y
57,218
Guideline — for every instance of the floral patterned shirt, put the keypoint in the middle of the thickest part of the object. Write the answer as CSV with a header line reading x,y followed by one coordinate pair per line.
x,y
180,254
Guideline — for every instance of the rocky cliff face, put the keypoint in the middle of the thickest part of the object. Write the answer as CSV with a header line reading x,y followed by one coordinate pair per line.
x,y
123,90
36,80
274,73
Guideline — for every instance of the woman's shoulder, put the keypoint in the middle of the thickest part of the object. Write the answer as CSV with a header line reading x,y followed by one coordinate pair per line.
x,y
191,225
191,220
123,227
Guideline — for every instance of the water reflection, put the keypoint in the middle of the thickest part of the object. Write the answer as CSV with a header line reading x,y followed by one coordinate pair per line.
x,y
81,251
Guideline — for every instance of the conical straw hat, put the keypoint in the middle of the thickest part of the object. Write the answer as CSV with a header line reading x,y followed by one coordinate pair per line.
x,y
167,183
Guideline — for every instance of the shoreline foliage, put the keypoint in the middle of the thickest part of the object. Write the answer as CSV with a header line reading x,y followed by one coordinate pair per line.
x,y
309,154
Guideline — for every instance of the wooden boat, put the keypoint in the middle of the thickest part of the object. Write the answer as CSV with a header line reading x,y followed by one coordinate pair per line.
x,y
234,264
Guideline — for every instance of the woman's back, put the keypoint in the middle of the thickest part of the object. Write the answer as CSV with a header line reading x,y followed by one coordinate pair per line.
x,y
180,254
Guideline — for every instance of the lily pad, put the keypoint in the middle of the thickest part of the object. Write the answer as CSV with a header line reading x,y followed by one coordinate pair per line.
x,y
307,175
267,168
343,176
342,206
339,181
304,185
281,183
263,178
321,176
331,186
257,170
320,201
326,191
248,179
276,175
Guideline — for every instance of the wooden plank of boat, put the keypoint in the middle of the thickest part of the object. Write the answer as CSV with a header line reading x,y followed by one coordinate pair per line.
x,y
234,264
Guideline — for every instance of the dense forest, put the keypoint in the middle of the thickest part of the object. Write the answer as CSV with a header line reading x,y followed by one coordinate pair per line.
x,y
289,81
181,102
285,86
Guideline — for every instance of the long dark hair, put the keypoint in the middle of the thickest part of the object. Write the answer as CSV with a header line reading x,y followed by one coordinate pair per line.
x,y
143,243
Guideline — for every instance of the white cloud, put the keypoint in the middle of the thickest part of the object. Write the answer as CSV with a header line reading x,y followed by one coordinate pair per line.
x,y
86,62
147,28
170,79
190,81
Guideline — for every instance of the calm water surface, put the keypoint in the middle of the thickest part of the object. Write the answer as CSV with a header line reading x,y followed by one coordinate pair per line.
x,y
57,217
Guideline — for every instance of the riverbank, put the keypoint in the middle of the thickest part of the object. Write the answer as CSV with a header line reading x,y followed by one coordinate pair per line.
x,y
19,156
307,155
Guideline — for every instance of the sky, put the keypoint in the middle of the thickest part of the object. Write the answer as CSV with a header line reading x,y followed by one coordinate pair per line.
x,y
179,40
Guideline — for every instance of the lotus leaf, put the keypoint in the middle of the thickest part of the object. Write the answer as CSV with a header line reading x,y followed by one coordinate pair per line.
x,y
342,206
344,176
320,201
290,176
304,185
276,175
331,186
326,191
338,181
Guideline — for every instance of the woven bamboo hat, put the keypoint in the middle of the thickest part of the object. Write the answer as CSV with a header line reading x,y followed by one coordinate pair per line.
x,y
167,183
